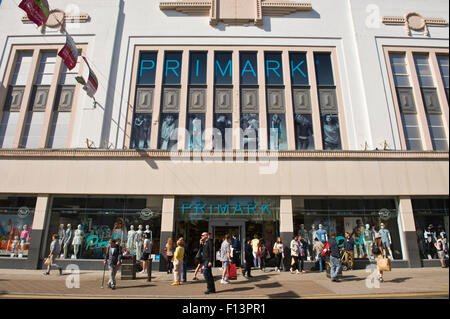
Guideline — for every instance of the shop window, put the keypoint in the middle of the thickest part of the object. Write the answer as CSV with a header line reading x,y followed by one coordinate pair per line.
x,y
249,101
16,224
443,67
362,218
95,220
431,219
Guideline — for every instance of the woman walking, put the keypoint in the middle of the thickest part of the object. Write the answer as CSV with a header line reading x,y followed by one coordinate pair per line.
x,y
377,250
295,249
302,252
278,250
178,262
198,259
225,258
169,249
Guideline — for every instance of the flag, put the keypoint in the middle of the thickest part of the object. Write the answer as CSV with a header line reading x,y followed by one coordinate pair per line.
x,y
69,53
37,10
91,83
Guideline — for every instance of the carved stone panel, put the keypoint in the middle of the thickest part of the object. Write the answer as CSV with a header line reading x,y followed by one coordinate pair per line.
x,y
302,101
406,100
14,98
171,100
431,101
275,101
328,101
144,100
65,98
249,100
197,100
39,101
224,100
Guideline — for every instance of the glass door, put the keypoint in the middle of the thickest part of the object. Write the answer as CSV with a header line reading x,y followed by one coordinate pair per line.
x,y
220,228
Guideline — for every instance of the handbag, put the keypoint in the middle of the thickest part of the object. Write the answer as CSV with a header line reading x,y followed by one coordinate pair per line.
x,y
384,264
48,261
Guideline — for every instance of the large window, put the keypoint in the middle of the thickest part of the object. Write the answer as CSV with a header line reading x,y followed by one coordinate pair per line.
x,y
85,224
362,218
249,101
16,223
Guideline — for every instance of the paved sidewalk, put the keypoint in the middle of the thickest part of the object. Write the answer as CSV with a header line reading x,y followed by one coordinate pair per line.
x,y
400,283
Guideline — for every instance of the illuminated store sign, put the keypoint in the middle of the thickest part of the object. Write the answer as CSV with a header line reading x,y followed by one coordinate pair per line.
x,y
249,208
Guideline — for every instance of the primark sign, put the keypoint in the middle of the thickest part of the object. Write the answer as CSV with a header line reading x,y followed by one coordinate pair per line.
x,y
235,209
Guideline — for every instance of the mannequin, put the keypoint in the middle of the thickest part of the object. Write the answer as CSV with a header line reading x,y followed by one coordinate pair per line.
x,y
369,237
430,239
148,231
77,242
138,242
358,231
61,233
66,241
304,233
131,238
15,246
24,239
386,240
322,234
312,232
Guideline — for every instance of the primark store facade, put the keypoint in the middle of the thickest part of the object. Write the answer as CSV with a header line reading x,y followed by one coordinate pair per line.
x,y
255,117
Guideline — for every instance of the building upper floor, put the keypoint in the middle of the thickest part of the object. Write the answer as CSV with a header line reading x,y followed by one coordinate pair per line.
x,y
197,75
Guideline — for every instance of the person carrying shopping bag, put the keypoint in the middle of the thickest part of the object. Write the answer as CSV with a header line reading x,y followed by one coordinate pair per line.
x,y
178,262
383,263
295,249
278,250
168,254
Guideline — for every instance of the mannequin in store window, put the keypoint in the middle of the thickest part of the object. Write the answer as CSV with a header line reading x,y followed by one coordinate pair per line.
x,y
443,234
167,129
322,234
67,240
15,246
386,240
358,233
369,237
138,242
61,233
430,239
131,239
77,242
24,239
304,234
148,231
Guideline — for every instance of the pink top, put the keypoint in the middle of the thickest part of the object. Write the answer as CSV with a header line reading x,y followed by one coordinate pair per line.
x,y
24,234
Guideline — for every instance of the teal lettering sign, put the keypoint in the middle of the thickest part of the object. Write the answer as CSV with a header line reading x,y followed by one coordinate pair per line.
x,y
147,68
274,69
299,69
226,209
172,67
93,242
223,68
249,67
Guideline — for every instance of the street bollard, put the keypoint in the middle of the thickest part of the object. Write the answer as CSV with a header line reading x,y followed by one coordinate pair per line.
x,y
149,269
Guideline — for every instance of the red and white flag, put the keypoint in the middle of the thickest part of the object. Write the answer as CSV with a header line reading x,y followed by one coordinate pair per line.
x,y
69,53
91,83
37,10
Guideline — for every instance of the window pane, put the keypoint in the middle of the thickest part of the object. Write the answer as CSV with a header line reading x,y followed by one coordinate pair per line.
x,y
299,68
196,127
331,132
324,69
140,136
423,70
412,133
223,68
277,132
46,68
172,68
304,132
443,66
401,81
248,68
222,138
197,68
147,68
8,129
250,127
22,68
274,69
399,70
59,130
33,129
168,135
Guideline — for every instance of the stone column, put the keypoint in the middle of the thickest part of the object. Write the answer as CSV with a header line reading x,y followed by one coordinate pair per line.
x,y
408,236
167,227
38,233
286,226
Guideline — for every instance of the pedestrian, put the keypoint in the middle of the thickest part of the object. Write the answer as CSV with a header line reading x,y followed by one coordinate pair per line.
x,y
168,252
248,256
178,257
262,254
113,258
55,251
225,258
349,246
440,250
198,259
255,245
302,247
378,252
147,252
294,255
185,258
278,250
335,258
236,245
318,247
208,258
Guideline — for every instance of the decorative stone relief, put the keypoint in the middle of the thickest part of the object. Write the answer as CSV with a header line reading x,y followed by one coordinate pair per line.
x,y
40,98
431,101
328,101
65,99
171,100
406,100
224,100
414,21
197,100
14,98
302,101
144,100
275,101
249,100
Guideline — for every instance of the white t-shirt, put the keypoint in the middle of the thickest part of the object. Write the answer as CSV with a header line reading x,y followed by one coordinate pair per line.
x,y
148,244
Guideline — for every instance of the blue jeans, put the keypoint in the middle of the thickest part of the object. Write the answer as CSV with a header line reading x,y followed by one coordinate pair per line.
x,y
320,262
335,267
183,267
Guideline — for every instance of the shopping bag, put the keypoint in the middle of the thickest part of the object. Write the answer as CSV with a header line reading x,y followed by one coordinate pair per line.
x,y
232,271
384,264
48,261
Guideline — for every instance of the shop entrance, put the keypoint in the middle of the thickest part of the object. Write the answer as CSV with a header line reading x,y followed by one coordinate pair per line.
x,y
220,228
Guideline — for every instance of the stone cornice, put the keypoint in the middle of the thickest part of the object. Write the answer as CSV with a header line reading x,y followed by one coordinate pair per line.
x,y
31,154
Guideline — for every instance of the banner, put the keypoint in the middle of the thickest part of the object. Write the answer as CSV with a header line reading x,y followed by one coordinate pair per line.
x,y
69,53
91,83
37,10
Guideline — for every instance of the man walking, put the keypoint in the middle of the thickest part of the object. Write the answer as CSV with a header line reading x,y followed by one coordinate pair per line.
x,y
349,245
248,256
334,258
113,258
55,251
208,258
236,251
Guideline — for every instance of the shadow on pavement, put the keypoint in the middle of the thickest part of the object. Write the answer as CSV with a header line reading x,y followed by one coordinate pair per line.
x,y
399,280
269,285
351,278
129,287
287,294
236,289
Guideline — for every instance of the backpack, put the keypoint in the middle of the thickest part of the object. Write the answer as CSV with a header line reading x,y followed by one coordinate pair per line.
x,y
375,249
326,250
